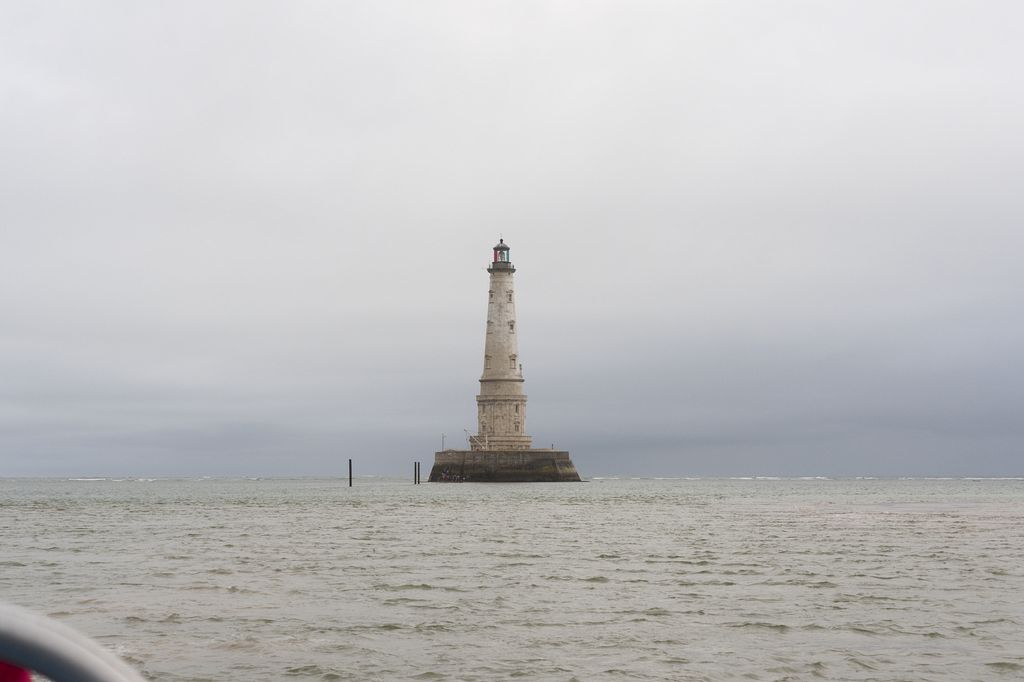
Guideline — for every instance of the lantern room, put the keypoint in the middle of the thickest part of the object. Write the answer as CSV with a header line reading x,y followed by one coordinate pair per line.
x,y
501,252
500,261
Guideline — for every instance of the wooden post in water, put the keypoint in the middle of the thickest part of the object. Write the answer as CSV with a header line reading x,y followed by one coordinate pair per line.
x,y
349,473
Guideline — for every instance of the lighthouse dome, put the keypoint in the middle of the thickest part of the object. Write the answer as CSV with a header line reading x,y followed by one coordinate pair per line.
x,y
501,246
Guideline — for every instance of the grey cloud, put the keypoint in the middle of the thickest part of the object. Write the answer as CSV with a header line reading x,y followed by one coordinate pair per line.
x,y
242,238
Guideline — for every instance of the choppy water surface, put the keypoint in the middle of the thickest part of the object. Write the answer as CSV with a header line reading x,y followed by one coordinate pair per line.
x,y
643,579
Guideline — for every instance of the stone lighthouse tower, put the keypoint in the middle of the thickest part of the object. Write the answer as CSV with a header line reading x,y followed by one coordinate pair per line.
x,y
501,405
501,450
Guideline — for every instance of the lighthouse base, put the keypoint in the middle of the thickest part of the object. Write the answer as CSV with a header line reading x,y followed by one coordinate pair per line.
x,y
503,466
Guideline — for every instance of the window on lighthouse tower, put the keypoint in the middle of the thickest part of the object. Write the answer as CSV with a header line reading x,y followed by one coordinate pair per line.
x,y
511,362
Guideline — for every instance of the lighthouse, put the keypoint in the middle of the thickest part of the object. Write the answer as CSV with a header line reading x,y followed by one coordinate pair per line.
x,y
501,450
501,405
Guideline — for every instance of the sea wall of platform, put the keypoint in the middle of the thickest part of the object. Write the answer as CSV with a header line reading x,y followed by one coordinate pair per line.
x,y
503,466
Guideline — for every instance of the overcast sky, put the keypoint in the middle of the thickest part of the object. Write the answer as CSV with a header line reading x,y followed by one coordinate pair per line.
x,y
753,238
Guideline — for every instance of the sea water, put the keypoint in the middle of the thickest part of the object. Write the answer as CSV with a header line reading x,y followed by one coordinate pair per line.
x,y
235,579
